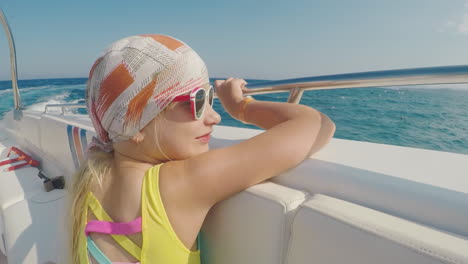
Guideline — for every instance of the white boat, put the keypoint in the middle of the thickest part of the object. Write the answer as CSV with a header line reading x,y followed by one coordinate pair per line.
x,y
352,202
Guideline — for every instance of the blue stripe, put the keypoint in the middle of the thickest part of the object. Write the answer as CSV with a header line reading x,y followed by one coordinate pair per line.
x,y
84,142
97,253
72,145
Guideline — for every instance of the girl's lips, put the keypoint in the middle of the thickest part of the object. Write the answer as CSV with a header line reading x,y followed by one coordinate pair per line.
x,y
204,139
207,134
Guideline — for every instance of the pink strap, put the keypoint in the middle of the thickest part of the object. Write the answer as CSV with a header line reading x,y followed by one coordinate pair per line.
x,y
114,228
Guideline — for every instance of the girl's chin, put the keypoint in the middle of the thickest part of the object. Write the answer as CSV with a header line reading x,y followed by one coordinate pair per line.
x,y
203,149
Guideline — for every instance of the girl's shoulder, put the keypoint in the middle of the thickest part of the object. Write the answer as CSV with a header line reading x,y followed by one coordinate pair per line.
x,y
178,205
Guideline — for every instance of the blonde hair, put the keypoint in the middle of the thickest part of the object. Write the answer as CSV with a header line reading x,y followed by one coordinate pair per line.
x,y
89,177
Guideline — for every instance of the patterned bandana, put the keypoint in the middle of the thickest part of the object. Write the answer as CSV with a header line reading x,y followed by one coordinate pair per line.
x,y
135,79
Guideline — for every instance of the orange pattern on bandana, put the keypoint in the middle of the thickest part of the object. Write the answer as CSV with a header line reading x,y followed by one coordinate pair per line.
x,y
138,103
117,81
169,42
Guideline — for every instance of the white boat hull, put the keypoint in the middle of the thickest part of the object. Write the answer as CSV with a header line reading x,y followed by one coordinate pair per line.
x,y
353,202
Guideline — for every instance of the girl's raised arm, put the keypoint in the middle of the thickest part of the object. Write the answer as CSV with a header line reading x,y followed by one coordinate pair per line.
x,y
293,133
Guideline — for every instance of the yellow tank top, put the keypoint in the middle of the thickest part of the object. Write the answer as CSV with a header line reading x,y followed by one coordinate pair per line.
x,y
160,243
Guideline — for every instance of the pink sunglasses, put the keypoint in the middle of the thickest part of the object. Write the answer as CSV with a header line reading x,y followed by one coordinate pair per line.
x,y
197,97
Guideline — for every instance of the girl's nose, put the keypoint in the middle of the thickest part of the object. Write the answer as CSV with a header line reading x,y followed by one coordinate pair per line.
x,y
211,117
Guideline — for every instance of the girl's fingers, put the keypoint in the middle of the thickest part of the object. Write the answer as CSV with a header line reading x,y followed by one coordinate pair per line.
x,y
218,83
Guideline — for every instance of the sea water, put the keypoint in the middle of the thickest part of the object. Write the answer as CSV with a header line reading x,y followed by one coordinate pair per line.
x,y
427,117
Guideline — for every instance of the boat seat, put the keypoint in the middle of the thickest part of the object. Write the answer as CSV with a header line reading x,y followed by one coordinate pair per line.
x,y
16,186
26,224
431,189
329,230
64,142
251,226
35,228
30,216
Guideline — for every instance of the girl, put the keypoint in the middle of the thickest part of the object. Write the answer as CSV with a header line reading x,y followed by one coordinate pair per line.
x,y
150,179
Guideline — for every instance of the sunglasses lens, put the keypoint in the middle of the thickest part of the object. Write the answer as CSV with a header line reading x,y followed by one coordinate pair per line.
x,y
199,102
211,95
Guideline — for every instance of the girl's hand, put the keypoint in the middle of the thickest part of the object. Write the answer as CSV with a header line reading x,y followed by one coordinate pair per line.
x,y
231,93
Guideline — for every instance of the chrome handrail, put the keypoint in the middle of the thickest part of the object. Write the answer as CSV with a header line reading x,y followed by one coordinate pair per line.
x,y
14,73
64,106
296,86
415,76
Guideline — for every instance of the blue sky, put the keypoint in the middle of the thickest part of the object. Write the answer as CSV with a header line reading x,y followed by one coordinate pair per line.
x,y
246,39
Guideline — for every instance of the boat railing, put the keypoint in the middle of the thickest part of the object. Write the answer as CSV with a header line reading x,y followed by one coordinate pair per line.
x,y
415,76
14,73
64,106
297,86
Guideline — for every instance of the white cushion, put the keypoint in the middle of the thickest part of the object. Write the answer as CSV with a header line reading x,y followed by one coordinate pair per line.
x,y
18,185
35,230
329,230
28,215
251,227
15,186
426,186
418,201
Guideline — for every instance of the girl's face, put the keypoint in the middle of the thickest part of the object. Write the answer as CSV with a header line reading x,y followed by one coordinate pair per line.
x,y
179,134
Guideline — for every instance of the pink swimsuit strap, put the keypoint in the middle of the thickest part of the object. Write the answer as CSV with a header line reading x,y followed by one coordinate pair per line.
x,y
125,228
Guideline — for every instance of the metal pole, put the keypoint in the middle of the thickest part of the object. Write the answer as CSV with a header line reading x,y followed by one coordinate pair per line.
x,y
295,95
14,74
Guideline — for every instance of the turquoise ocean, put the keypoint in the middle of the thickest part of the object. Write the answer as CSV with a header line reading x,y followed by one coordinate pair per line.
x,y
427,117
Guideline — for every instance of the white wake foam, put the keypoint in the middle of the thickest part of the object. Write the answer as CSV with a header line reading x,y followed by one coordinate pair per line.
x,y
58,99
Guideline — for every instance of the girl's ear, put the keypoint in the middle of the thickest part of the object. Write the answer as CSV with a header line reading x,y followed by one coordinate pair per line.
x,y
138,137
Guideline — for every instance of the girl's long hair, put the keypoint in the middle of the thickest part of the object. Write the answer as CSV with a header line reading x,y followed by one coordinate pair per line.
x,y
89,175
